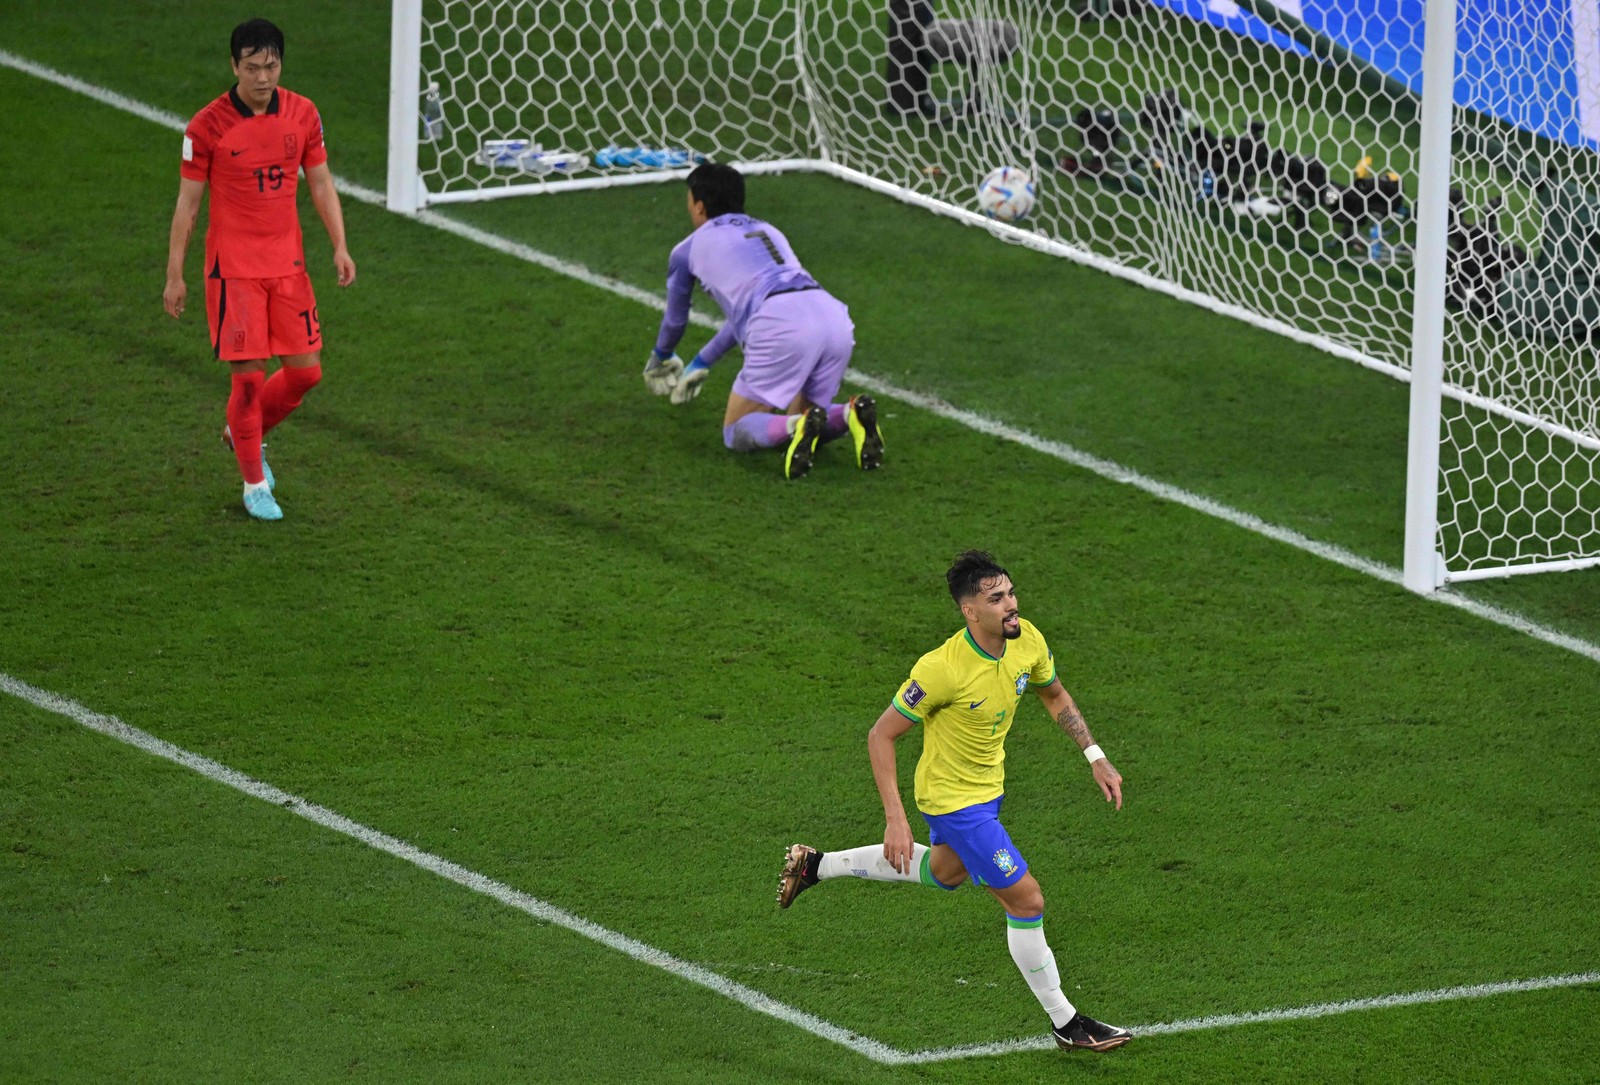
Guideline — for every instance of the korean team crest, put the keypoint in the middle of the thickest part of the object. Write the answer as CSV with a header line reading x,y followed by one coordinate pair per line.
x,y
291,146
1022,683
1003,860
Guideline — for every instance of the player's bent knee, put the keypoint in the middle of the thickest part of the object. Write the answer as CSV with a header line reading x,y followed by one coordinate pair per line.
x,y
946,867
312,360
301,376
1030,900
1023,897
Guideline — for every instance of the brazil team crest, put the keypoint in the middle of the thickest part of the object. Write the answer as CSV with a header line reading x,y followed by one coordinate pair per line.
x,y
1022,683
1003,860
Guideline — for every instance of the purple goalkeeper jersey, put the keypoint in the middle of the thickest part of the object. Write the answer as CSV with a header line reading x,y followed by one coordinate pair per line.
x,y
740,261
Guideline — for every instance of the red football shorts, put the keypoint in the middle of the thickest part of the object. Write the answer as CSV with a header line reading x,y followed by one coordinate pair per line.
x,y
262,318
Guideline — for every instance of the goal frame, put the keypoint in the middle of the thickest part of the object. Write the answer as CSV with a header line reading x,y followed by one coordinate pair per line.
x,y
1425,569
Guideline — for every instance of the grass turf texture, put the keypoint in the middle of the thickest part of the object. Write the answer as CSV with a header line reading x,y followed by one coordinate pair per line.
x,y
527,618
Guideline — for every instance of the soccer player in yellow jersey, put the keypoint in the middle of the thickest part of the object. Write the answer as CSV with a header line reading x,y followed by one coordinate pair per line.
x,y
965,695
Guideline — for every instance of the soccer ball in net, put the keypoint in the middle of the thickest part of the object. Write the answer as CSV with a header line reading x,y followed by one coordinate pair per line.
x,y
1006,194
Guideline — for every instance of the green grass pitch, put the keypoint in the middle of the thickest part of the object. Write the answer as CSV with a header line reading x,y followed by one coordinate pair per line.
x,y
532,621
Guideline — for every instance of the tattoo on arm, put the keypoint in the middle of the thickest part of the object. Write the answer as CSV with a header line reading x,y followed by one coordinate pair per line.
x,y
1071,721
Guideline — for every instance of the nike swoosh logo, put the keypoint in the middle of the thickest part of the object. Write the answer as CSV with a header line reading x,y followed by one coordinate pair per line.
x,y
236,154
975,704
1041,968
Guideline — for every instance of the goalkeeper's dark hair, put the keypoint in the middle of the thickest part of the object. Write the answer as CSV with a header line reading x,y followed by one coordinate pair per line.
x,y
256,36
719,187
968,572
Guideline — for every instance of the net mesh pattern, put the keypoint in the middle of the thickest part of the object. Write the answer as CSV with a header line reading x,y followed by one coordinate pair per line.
x,y
1276,177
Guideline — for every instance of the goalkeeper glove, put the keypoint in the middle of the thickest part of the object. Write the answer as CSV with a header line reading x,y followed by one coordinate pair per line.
x,y
661,374
688,386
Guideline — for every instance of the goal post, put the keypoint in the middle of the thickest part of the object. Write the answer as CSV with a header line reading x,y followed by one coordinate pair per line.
x,y
405,190
1423,570
1283,162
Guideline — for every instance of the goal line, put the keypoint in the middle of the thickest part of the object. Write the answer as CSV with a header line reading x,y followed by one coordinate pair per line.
x,y
972,420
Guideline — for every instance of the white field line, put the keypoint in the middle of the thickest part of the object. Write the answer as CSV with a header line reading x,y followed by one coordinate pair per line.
x,y
444,868
1295,1013
879,1052
722,985
1056,449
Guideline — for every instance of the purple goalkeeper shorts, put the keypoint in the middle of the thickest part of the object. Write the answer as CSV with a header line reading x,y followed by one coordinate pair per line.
x,y
797,343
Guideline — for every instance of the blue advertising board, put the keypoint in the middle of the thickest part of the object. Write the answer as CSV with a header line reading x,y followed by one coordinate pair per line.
x,y
1533,64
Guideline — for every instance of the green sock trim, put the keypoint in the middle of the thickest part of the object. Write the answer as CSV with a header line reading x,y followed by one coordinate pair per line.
x,y
925,873
1024,924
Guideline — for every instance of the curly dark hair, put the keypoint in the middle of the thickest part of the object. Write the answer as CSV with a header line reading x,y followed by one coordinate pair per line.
x,y
968,572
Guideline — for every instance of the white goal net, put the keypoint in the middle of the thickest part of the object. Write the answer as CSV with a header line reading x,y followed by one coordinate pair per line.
x,y
1260,159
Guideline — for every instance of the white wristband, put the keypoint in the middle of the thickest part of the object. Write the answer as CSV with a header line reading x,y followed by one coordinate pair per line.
x,y
1093,753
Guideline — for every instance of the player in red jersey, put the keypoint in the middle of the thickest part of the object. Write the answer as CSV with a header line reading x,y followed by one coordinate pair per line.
x,y
248,148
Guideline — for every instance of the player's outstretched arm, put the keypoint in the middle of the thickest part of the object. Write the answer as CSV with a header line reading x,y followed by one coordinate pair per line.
x,y
897,840
680,290
176,293
325,198
1058,702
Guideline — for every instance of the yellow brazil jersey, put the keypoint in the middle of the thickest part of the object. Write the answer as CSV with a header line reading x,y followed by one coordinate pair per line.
x,y
965,700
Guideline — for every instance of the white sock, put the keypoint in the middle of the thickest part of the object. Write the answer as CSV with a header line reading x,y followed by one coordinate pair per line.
x,y
1038,966
869,863
262,485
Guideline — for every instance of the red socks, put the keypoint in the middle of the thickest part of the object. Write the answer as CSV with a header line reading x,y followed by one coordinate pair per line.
x,y
284,391
258,403
244,424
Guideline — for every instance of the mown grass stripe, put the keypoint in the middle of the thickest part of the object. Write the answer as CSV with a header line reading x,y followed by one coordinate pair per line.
x,y
752,999
113,727
1107,469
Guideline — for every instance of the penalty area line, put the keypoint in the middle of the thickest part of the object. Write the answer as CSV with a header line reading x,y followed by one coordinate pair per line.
x,y
877,1051
115,728
112,727
1292,1013
1106,469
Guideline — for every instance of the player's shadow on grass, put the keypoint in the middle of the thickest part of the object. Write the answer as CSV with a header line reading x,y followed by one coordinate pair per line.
x,y
695,449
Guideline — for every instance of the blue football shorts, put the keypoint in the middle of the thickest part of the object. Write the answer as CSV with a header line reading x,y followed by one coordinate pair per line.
x,y
982,842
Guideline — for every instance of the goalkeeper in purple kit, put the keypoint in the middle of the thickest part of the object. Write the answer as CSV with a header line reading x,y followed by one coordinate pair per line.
x,y
797,337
